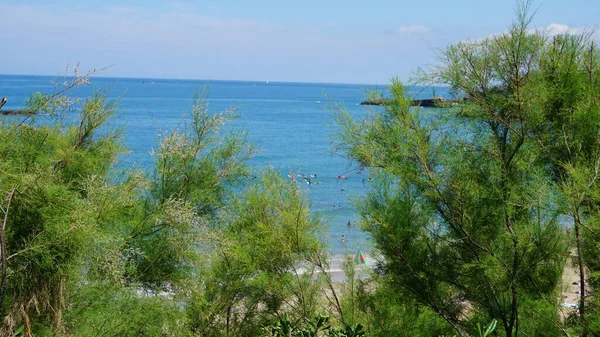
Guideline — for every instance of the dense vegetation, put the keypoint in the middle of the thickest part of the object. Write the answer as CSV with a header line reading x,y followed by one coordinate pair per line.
x,y
464,208
193,248
467,204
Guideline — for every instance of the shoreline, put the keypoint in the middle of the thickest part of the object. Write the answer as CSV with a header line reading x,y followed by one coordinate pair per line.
x,y
336,270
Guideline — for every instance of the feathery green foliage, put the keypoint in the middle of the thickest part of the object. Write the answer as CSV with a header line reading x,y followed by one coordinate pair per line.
x,y
465,210
188,250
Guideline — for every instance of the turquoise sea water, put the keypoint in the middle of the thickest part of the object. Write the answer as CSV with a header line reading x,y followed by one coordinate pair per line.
x,y
289,122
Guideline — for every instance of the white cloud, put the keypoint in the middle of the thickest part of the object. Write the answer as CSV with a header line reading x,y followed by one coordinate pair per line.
x,y
414,29
555,29
550,30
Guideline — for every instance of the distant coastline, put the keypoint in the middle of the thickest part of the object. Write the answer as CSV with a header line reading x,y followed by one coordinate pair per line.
x,y
264,82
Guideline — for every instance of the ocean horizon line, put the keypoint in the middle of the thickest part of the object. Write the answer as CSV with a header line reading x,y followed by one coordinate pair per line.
x,y
266,81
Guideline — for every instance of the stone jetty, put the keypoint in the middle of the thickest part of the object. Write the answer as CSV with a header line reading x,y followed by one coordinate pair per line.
x,y
426,103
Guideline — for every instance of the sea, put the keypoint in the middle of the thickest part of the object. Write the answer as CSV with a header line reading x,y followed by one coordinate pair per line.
x,y
290,123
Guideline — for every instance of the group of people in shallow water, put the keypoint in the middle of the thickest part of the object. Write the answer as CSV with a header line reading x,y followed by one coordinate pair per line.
x,y
305,178
310,181
350,225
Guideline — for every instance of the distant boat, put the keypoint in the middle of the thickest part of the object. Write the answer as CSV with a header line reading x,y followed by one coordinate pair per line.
x,y
267,82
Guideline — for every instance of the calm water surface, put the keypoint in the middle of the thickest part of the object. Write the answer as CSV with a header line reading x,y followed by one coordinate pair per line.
x,y
289,122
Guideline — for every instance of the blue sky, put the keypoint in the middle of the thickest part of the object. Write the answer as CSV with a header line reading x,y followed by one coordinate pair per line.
x,y
349,41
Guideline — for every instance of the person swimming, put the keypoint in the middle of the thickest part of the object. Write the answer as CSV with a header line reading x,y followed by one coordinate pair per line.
x,y
343,239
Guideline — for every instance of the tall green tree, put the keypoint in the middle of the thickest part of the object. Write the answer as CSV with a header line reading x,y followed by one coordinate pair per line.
x,y
569,70
197,166
465,212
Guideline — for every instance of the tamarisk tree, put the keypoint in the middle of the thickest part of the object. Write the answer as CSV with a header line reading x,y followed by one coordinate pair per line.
x,y
465,208
570,73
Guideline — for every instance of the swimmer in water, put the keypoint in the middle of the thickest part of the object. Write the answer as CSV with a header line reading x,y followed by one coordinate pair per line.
x,y
343,239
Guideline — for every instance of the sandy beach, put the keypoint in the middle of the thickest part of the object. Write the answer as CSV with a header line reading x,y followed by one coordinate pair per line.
x,y
569,301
